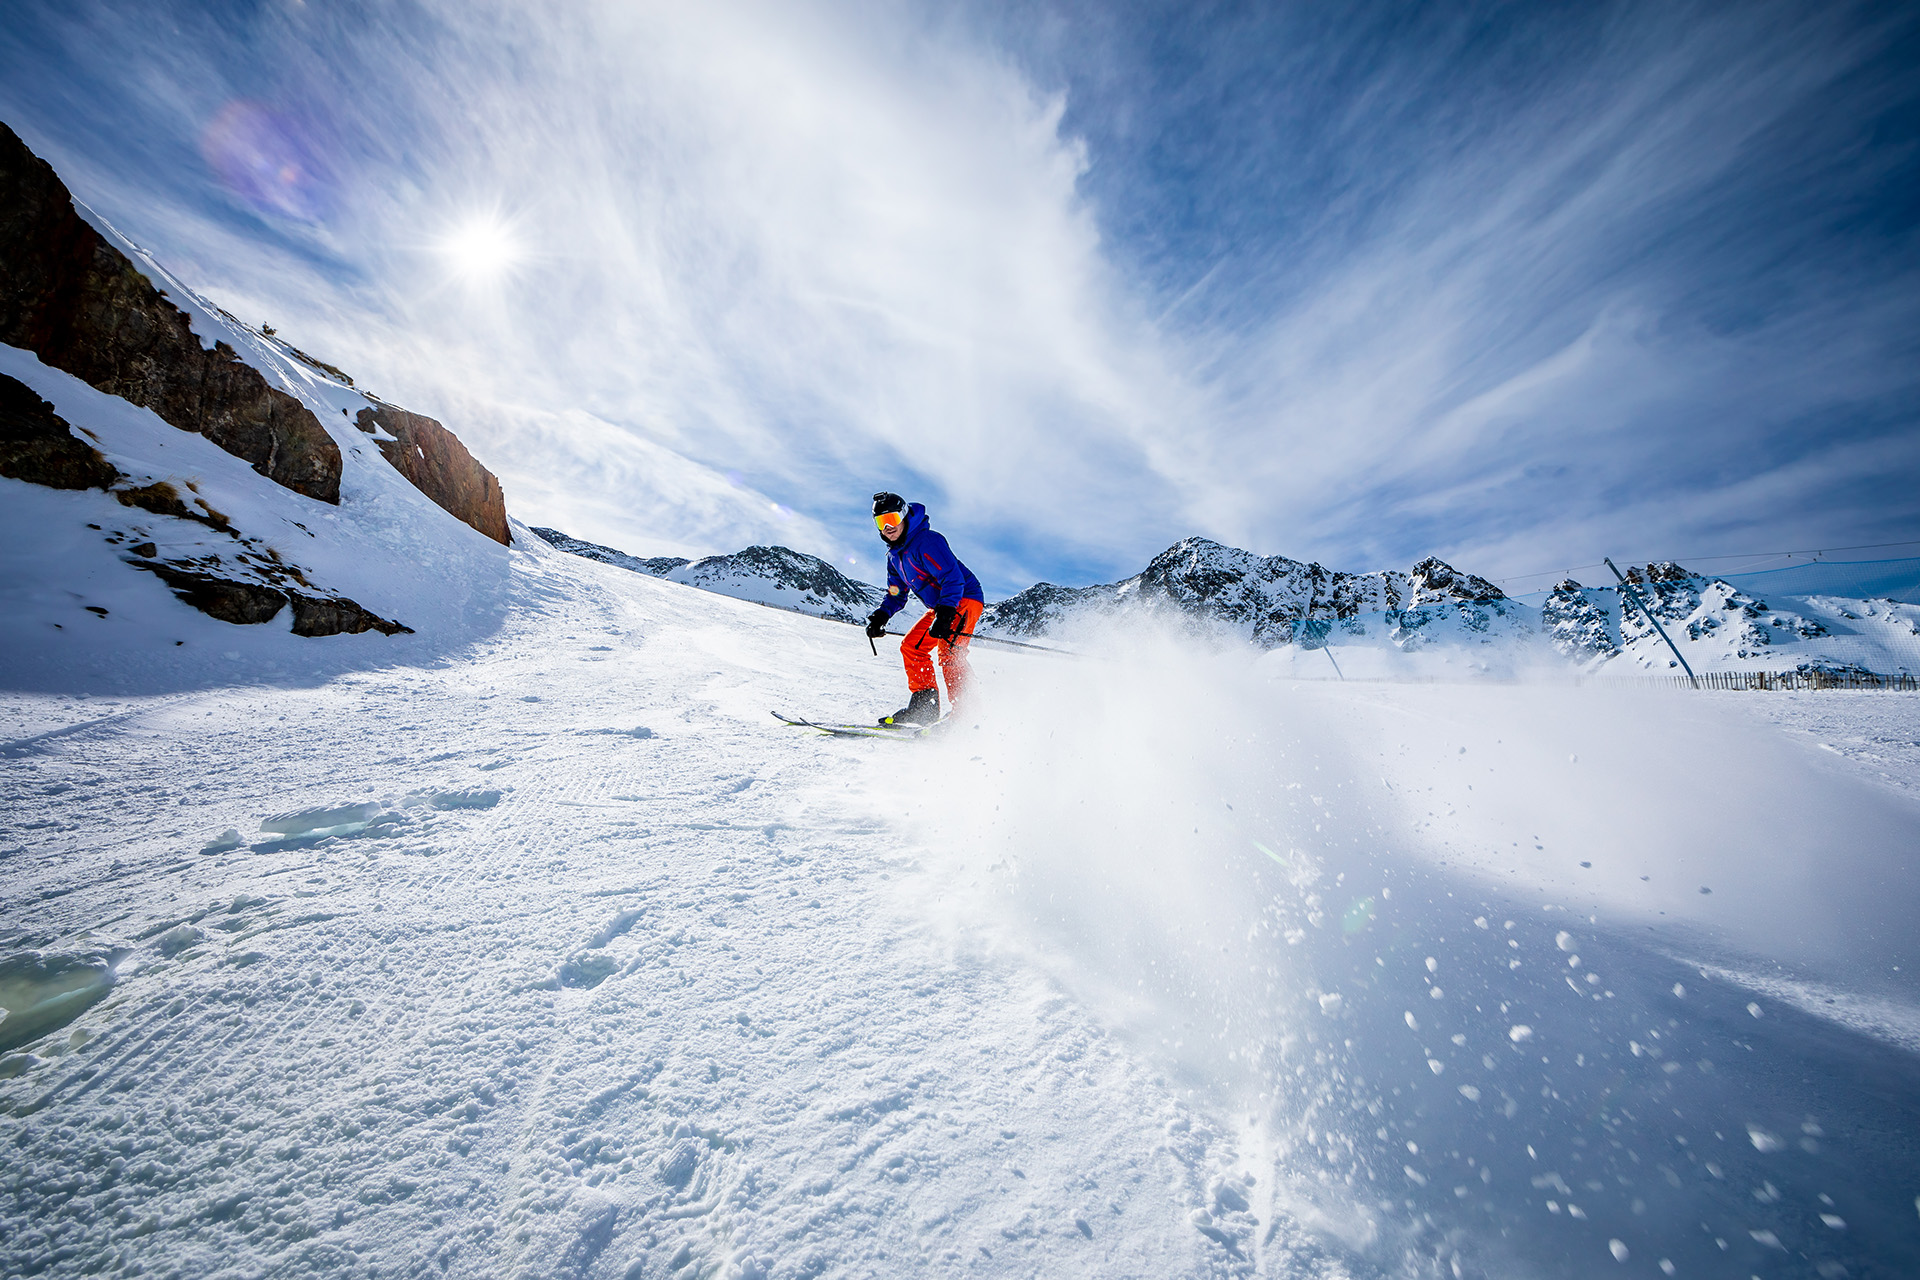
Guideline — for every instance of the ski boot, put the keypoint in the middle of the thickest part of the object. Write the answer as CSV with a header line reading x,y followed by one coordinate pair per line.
x,y
922,708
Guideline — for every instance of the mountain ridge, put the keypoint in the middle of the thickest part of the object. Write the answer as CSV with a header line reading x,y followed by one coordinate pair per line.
x,y
771,575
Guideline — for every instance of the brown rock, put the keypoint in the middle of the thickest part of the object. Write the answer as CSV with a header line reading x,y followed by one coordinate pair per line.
x,y
37,445
438,465
242,603
337,615
80,305
163,499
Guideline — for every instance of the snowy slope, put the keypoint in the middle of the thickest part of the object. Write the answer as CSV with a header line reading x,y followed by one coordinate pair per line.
x,y
777,576
600,974
555,955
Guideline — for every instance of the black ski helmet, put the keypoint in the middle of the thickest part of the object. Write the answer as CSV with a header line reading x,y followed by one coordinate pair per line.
x,y
885,502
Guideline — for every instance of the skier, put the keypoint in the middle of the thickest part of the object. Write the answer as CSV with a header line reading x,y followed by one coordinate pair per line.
x,y
919,560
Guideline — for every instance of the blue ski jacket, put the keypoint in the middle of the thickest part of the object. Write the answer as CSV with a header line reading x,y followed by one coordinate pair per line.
x,y
923,563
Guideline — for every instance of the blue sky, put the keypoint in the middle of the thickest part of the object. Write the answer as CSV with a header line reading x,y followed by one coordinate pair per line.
x,y
1519,285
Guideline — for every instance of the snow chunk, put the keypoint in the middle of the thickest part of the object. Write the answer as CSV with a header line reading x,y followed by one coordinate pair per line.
x,y
305,824
225,842
1520,1033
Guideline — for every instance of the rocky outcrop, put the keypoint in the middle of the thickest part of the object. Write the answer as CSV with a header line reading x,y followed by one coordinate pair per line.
x,y
337,615
37,445
245,603
241,603
78,303
438,465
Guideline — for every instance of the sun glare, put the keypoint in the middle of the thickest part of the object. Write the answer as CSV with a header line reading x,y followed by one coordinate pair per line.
x,y
480,250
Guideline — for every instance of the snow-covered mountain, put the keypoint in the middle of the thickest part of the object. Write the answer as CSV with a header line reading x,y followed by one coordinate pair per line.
x,y
1229,593
656,566
154,451
1719,627
1434,619
777,576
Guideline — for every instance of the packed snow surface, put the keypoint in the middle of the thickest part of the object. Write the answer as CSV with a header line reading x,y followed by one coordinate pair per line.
x,y
541,949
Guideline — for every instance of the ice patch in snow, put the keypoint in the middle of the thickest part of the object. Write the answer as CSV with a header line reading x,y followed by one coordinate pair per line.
x,y
43,991
315,824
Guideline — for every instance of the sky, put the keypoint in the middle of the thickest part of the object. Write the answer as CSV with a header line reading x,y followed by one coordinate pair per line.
x,y
1519,285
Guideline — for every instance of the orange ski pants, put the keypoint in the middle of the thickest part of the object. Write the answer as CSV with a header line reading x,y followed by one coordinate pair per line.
x,y
919,650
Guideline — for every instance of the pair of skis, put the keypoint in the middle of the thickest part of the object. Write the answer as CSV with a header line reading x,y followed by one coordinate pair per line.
x,y
902,731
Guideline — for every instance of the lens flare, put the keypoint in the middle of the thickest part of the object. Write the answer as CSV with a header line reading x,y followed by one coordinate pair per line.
x,y
268,160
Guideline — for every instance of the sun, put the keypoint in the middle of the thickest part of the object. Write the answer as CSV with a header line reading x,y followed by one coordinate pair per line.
x,y
481,249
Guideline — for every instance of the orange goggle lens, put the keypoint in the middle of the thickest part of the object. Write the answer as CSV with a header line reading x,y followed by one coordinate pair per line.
x,y
888,521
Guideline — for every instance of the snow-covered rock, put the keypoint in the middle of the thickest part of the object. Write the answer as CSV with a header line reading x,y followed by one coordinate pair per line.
x,y
1582,624
657,566
783,578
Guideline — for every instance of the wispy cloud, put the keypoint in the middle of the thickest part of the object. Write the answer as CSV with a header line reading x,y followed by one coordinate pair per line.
x,y
1562,310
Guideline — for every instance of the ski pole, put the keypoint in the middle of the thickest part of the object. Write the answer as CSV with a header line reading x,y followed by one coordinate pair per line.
x,y
976,638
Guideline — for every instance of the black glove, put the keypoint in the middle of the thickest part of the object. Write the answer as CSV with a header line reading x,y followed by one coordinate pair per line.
x,y
877,624
943,623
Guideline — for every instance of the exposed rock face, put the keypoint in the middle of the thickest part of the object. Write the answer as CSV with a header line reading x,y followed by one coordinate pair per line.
x,y
81,306
337,615
241,603
37,445
1224,590
438,465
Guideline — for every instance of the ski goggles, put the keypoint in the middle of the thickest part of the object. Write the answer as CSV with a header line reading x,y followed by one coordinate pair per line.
x,y
890,521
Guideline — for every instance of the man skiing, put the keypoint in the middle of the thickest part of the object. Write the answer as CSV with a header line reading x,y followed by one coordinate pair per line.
x,y
919,560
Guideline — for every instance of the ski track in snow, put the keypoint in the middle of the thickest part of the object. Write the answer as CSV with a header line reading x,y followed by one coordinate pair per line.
x,y
604,973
